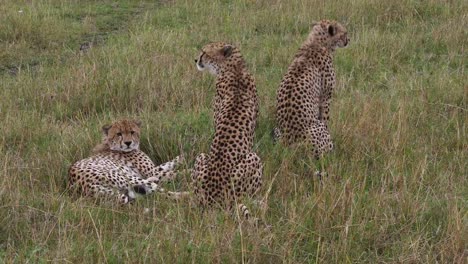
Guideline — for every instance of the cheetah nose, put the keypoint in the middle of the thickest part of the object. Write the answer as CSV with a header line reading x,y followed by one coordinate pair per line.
x,y
128,143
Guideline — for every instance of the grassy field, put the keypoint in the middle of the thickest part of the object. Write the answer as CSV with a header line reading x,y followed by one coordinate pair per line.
x,y
396,188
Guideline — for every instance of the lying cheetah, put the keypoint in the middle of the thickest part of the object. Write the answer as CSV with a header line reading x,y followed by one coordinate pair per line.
x,y
230,170
118,168
303,99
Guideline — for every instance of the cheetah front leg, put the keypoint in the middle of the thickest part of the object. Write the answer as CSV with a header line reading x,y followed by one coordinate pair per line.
x,y
163,172
147,186
325,98
97,191
127,179
324,109
144,186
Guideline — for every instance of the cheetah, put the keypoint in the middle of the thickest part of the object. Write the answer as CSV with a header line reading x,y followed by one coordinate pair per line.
x,y
118,168
303,99
231,170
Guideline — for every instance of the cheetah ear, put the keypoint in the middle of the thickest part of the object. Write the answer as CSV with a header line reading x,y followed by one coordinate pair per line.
x,y
105,129
331,30
138,123
227,51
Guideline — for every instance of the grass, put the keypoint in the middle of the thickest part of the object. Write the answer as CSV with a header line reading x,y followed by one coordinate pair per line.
x,y
396,189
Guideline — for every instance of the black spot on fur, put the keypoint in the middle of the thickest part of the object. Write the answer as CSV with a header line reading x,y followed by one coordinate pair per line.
x,y
139,189
331,30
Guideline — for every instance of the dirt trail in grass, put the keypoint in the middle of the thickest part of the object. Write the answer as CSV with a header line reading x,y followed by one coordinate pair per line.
x,y
36,34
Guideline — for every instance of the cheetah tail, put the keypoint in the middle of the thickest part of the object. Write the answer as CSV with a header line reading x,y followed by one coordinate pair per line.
x,y
252,220
276,134
244,210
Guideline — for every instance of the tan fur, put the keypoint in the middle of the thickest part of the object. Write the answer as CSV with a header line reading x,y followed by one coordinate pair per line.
x,y
118,168
303,99
129,130
230,170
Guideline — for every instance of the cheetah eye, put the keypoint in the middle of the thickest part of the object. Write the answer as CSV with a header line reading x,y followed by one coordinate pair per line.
x,y
132,132
119,134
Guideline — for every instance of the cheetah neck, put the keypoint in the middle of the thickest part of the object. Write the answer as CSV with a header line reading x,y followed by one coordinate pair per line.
x,y
314,42
101,148
232,83
105,148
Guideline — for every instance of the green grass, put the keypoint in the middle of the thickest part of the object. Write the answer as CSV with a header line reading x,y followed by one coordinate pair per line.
x,y
396,189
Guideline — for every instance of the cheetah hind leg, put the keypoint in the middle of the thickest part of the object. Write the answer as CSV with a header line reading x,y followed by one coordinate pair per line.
x,y
320,138
247,182
195,173
199,168
167,170
248,176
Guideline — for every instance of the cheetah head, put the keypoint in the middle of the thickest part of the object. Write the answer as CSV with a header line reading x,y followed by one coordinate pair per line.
x,y
330,34
218,55
123,135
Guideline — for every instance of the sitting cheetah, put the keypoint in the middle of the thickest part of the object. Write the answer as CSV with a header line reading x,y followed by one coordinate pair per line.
x,y
303,99
118,168
230,170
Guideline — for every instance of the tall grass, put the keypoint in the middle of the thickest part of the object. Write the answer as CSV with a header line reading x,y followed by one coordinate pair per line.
x,y
396,185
